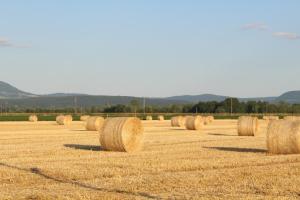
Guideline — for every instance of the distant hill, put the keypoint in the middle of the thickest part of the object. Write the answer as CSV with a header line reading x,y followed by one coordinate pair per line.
x,y
197,98
7,91
289,97
217,98
84,101
9,95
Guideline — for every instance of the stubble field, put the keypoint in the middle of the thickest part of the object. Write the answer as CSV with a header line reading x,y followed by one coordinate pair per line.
x,y
46,161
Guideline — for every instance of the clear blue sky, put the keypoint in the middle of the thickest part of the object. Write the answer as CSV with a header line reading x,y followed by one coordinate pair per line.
x,y
151,48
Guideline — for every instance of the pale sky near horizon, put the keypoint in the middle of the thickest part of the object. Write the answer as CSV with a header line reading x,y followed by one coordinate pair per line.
x,y
151,48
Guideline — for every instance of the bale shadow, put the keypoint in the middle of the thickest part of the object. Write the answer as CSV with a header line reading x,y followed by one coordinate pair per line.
x,y
39,172
84,147
220,134
177,129
236,149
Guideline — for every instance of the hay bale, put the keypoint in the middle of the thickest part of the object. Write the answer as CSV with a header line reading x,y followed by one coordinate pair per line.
x,y
69,118
247,126
292,118
94,123
270,117
160,118
178,121
208,119
122,134
283,137
149,118
194,122
33,118
64,119
211,118
84,118
61,120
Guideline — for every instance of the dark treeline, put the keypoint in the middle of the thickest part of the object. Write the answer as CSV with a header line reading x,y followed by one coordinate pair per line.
x,y
227,106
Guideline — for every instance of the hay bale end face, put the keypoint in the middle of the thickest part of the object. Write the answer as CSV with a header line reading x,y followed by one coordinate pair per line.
x,y
94,123
208,120
248,126
178,121
194,122
283,137
84,118
160,118
122,134
270,118
63,120
33,118
149,118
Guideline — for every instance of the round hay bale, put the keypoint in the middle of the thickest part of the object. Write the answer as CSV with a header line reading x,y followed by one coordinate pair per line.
x,y
122,134
247,126
69,118
149,118
283,137
161,118
62,120
94,123
291,118
211,118
84,118
178,121
208,119
194,122
270,118
33,118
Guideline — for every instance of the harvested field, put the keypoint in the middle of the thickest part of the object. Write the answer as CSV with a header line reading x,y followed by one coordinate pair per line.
x,y
46,161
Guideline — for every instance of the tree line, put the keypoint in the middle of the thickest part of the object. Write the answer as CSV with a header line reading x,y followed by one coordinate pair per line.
x,y
230,105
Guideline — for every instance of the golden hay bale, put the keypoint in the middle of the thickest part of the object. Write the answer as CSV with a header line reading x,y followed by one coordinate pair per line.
x,y
149,118
211,118
247,126
94,123
33,118
84,118
161,118
292,118
61,120
194,122
69,118
178,121
122,134
208,119
283,137
270,117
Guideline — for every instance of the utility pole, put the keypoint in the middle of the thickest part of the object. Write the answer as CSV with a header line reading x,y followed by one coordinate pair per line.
x,y
144,105
75,105
231,106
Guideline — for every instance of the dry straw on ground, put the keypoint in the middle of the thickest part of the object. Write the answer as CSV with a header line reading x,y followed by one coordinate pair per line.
x,y
161,118
194,122
84,117
247,126
94,123
283,137
33,118
292,118
178,121
149,118
122,134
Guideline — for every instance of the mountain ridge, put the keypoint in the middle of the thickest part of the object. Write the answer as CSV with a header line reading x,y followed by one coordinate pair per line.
x,y
15,97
